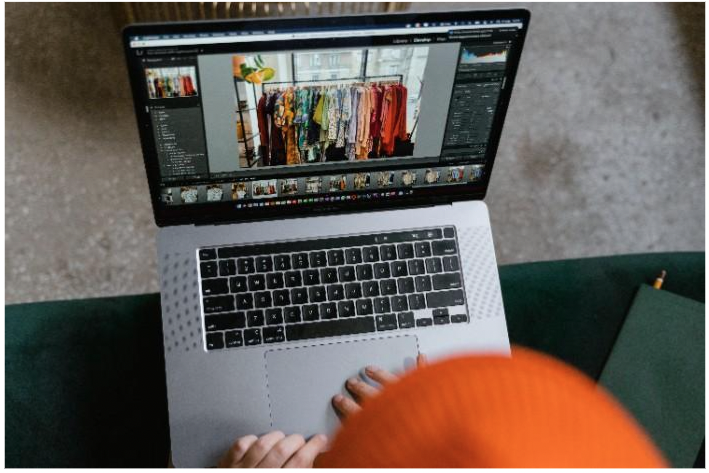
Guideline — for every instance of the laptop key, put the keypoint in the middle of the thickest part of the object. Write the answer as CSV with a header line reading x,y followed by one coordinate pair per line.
x,y
335,257
292,314
281,297
281,262
445,298
444,247
381,305
434,265
441,319
317,259
346,273
416,267
233,339
330,328
406,285
425,322
226,321
381,270
422,249
449,232
244,301
386,322
328,275
246,265
293,279
299,295
388,287
335,292
364,306
311,277
218,304
264,264
423,283
300,260
353,256
364,272
398,268
213,287
328,310
370,254
208,270
311,312
227,267
257,282
406,320
274,316
399,303
446,281
370,288
252,336
405,250
274,335
255,318
345,309
417,301
451,263
207,254
274,280
353,290
238,284
388,252
317,294
459,318
262,299
215,341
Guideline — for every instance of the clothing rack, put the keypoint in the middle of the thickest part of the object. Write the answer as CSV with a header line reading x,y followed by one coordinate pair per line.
x,y
400,78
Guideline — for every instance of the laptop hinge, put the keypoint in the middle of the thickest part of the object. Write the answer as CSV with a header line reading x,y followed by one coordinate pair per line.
x,y
327,212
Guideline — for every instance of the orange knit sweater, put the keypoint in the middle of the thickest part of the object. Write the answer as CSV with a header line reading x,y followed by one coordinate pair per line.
x,y
492,411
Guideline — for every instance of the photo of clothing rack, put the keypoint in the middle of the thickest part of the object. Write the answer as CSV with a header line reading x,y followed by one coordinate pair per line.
x,y
280,121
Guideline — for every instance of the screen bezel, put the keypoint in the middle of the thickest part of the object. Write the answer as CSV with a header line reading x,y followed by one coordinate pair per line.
x,y
225,212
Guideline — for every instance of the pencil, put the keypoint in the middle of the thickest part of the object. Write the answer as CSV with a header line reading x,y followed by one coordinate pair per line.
x,y
660,279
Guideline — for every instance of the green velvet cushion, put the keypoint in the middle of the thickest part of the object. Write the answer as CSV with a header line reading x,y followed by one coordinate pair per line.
x,y
85,383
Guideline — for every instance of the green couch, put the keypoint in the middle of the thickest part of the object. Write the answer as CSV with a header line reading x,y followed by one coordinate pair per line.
x,y
85,384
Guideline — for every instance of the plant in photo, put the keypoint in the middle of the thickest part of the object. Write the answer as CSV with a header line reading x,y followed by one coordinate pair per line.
x,y
252,69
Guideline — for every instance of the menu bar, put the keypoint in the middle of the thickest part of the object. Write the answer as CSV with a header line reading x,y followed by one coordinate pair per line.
x,y
254,36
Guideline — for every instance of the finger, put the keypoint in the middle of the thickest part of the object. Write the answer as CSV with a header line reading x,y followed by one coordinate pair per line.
x,y
260,448
237,451
305,457
282,451
421,360
380,375
360,389
344,405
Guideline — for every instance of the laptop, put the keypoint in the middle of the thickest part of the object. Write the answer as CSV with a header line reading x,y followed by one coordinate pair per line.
x,y
318,186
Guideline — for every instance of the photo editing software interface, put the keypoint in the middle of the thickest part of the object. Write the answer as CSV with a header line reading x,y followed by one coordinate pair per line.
x,y
261,118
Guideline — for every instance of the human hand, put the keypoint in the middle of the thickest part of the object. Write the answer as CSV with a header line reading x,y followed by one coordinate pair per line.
x,y
273,450
361,390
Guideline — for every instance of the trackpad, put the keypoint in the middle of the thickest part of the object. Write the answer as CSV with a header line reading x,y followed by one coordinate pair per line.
x,y
302,381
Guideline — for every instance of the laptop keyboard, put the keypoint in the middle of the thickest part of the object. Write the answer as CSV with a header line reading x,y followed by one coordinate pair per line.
x,y
310,289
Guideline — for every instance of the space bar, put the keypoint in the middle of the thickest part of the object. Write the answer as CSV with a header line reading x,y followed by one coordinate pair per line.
x,y
330,328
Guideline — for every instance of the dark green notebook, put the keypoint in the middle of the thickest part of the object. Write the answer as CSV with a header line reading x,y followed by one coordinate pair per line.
x,y
656,370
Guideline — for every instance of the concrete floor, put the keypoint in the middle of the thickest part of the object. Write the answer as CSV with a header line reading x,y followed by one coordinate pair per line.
x,y
602,151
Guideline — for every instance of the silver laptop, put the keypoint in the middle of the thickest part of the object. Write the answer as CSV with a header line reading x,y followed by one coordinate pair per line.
x,y
318,185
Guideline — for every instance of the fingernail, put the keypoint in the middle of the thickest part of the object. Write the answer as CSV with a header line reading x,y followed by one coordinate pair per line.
x,y
353,381
371,369
322,438
338,397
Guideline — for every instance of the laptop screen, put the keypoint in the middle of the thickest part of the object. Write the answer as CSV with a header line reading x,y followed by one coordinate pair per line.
x,y
246,119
